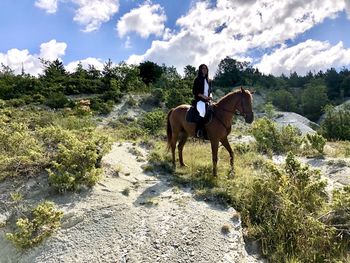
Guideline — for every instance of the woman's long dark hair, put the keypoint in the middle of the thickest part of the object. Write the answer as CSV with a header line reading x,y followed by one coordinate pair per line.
x,y
200,75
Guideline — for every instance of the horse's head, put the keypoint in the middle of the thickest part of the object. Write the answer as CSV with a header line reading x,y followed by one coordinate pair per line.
x,y
245,105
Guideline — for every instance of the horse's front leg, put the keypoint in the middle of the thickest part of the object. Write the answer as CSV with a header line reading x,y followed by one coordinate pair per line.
x,y
227,146
214,153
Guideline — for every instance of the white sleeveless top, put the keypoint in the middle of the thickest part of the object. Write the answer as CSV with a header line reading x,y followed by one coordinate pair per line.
x,y
206,88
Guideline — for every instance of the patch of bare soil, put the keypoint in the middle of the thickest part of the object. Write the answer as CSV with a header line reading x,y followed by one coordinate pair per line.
x,y
131,216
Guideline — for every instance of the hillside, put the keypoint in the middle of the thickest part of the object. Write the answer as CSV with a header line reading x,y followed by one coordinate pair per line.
x,y
131,216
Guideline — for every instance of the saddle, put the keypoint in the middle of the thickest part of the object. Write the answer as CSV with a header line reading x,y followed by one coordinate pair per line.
x,y
192,115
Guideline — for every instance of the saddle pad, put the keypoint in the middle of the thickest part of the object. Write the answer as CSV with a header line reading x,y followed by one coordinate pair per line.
x,y
192,115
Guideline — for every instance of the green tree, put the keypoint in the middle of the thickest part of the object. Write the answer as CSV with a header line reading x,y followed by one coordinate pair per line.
x,y
54,71
336,124
284,100
345,86
150,72
230,73
190,72
313,99
332,79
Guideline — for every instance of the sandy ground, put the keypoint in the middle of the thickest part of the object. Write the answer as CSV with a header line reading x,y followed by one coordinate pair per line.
x,y
134,217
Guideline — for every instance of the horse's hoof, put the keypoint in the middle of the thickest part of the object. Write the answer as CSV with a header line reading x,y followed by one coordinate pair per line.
x,y
183,165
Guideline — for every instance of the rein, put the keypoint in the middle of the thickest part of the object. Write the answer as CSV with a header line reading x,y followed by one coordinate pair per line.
x,y
236,112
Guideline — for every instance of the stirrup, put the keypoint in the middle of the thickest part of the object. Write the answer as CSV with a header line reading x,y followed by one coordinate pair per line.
x,y
200,133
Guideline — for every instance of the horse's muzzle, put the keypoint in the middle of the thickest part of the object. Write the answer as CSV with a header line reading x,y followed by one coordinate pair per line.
x,y
249,117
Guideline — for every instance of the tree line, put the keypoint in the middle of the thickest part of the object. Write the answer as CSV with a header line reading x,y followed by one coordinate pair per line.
x,y
307,95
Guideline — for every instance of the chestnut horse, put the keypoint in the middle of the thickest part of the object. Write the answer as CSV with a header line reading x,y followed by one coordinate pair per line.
x,y
217,130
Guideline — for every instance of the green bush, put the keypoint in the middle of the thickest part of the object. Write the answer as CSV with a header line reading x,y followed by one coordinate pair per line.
x,y
57,100
283,99
281,209
336,124
43,221
153,121
272,139
75,157
177,97
269,110
316,141
100,106
339,216
20,151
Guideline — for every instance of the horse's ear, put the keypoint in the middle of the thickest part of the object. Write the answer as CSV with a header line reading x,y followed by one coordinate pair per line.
x,y
242,89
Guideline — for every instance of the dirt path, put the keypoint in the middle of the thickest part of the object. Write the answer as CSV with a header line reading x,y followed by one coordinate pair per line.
x,y
135,217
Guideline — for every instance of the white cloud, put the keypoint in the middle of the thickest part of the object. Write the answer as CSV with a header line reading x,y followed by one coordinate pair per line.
x,y
49,5
127,43
307,56
347,7
145,20
209,33
52,50
18,59
92,13
97,63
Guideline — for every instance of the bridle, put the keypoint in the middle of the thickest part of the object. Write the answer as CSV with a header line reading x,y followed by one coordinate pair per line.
x,y
235,111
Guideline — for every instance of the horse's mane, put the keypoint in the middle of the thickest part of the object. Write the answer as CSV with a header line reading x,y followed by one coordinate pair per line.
x,y
228,95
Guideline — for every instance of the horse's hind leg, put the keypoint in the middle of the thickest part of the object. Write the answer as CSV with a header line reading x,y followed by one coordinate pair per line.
x,y
180,147
227,145
173,146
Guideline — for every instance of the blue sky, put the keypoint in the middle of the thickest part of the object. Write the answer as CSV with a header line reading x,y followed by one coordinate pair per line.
x,y
291,35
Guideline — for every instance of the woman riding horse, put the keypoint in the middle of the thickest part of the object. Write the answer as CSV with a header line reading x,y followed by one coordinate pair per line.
x,y
202,95
217,130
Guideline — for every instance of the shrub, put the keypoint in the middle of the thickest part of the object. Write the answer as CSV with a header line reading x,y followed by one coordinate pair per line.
x,y
43,221
271,139
339,216
20,151
269,110
57,100
132,132
176,97
100,106
283,99
153,121
131,101
156,98
336,124
281,209
75,157
316,141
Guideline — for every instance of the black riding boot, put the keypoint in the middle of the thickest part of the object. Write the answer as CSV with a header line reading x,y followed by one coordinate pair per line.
x,y
200,128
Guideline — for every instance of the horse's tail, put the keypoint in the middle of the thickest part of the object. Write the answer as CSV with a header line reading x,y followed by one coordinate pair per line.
x,y
168,129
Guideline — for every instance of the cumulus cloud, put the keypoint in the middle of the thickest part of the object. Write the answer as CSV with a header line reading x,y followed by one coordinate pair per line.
x,y
89,13
145,20
347,7
97,63
22,59
52,50
50,6
307,56
92,13
210,32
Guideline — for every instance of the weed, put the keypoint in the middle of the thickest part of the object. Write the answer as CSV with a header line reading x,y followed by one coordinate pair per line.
x,y
44,220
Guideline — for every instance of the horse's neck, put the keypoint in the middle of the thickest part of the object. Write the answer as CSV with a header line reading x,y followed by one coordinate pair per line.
x,y
226,107
228,104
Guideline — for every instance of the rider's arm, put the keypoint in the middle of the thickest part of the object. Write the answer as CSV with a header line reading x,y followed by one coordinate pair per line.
x,y
204,97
